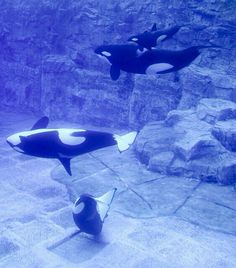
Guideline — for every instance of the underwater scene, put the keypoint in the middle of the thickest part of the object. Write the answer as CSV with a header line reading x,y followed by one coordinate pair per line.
x,y
117,134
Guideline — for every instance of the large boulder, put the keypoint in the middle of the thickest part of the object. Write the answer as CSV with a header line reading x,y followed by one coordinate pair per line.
x,y
212,110
188,144
199,81
225,132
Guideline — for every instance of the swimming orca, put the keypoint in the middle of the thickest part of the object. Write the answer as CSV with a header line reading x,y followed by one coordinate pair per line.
x,y
118,55
153,61
150,39
64,144
89,212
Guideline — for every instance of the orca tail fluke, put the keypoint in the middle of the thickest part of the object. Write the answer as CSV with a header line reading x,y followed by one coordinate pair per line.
x,y
124,142
107,198
104,203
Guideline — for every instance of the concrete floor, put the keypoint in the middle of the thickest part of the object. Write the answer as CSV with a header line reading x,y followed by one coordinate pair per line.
x,y
155,221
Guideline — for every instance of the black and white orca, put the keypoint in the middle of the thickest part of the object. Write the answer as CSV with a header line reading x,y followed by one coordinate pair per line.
x,y
89,212
150,39
118,55
153,61
64,144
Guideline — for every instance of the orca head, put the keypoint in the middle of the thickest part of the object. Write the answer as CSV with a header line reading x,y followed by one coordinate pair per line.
x,y
16,142
84,204
104,52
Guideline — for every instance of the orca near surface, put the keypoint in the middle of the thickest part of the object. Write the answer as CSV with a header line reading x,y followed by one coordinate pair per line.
x,y
150,39
89,212
155,61
64,144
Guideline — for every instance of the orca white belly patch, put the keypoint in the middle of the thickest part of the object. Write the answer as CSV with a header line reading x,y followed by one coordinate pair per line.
x,y
158,67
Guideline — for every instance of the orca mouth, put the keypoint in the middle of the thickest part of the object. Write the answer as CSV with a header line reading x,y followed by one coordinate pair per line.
x,y
10,143
98,50
16,148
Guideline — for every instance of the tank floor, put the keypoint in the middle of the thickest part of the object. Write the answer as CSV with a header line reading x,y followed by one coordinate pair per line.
x,y
155,220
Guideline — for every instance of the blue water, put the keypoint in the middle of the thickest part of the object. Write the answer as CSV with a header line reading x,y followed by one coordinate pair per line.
x,y
138,96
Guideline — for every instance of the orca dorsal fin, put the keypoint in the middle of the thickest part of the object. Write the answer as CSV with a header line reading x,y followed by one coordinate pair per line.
x,y
41,123
154,27
114,72
66,164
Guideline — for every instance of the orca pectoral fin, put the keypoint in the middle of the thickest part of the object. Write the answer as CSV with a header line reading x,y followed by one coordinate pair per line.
x,y
154,27
66,164
114,72
41,123
176,77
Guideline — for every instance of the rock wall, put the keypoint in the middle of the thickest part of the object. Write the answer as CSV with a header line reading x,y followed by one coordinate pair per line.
x,y
198,143
47,63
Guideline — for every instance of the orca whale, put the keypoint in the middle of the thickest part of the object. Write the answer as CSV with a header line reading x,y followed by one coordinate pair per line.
x,y
118,55
150,39
89,212
155,61
64,144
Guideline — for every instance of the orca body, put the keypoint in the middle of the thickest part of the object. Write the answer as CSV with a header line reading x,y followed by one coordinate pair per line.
x,y
89,212
64,144
150,39
149,62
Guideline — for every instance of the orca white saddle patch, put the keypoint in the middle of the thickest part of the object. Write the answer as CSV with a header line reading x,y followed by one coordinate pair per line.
x,y
66,137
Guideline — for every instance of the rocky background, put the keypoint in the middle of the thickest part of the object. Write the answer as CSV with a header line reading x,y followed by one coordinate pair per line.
x,y
48,66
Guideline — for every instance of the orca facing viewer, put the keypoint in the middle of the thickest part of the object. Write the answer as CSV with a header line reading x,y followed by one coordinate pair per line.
x,y
89,212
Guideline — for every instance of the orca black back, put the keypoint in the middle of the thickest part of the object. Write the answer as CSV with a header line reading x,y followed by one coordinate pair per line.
x,y
44,144
94,140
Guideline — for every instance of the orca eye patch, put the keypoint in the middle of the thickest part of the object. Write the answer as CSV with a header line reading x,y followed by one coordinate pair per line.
x,y
79,206
106,53
135,39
